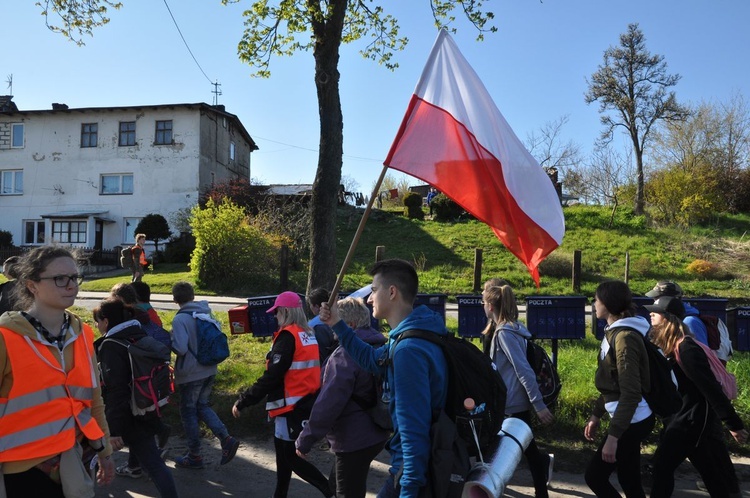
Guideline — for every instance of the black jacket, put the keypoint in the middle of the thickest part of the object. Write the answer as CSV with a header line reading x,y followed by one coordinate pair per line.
x,y
702,397
279,360
114,365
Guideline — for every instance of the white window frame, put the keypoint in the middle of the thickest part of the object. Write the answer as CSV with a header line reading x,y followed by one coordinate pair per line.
x,y
14,174
36,239
128,228
13,127
232,151
65,234
120,190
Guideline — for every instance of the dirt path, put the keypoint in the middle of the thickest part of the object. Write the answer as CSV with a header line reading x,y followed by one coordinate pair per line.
x,y
252,474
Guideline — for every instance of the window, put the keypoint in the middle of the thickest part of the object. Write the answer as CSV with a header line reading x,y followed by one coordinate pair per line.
x,y
69,232
11,182
89,134
231,151
129,236
163,133
16,136
33,233
127,133
116,184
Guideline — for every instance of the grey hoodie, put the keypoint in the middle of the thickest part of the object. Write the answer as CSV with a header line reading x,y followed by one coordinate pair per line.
x,y
508,351
184,333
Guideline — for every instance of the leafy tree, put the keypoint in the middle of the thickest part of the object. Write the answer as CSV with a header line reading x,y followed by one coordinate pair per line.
x,y
156,228
633,84
683,196
78,18
284,27
229,252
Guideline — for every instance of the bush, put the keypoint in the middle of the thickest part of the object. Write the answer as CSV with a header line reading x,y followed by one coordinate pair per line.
x,y
557,266
445,209
179,249
230,253
703,269
6,239
642,266
412,199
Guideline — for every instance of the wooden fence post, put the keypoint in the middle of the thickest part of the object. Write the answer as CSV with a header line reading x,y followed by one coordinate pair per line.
x,y
627,266
577,271
477,269
284,267
379,253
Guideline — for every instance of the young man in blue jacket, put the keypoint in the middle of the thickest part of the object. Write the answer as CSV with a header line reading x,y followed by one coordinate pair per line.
x,y
417,378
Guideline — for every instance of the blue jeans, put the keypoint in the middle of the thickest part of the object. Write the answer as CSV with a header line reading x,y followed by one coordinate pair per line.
x,y
389,488
149,457
195,406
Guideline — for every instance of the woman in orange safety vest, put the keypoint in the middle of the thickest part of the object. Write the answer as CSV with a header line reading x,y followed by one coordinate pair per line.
x,y
50,396
290,383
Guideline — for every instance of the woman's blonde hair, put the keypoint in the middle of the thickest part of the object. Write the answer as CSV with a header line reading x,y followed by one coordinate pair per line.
x,y
493,282
503,301
354,312
669,333
288,316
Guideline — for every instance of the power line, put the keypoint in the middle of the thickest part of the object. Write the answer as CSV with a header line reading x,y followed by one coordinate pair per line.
x,y
312,150
186,44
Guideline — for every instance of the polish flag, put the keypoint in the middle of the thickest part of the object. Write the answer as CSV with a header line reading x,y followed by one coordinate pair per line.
x,y
454,138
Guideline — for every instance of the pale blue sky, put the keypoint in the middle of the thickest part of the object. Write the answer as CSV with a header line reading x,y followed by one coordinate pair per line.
x,y
535,67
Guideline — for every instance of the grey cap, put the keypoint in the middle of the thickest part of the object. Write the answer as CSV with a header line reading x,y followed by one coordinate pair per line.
x,y
665,288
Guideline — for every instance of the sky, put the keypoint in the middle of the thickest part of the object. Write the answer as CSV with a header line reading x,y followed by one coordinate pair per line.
x,y
535,67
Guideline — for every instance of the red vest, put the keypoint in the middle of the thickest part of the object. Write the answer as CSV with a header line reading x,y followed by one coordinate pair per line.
x,y
46,405
303,376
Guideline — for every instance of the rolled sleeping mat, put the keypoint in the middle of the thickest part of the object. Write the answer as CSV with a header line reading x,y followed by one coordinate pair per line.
x,y
489,479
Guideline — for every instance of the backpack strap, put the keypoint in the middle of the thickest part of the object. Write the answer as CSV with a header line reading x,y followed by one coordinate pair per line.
x,y
190,313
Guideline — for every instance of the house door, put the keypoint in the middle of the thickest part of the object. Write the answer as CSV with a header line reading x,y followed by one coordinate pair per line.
x,y
98,235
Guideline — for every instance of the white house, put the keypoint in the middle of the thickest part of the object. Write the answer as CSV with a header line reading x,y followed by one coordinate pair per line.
x,y
85,177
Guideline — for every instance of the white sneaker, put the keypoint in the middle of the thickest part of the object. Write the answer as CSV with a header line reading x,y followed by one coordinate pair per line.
x,y
126,471
550,469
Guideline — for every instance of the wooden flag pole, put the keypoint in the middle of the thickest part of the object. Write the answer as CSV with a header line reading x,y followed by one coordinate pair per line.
x,y
355,240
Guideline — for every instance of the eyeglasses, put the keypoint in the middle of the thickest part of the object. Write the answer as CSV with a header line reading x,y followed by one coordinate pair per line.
x,y
65,280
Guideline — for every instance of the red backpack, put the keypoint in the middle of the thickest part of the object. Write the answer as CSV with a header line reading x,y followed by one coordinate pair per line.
x,y
727,380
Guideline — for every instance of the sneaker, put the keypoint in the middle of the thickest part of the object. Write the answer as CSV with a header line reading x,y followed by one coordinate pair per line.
x,y
126,471
163,453
189,461
163,435
228,449
550,469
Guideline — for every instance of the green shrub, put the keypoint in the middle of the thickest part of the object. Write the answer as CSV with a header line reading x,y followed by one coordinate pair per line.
x,y
642,266
179,250
412,199
445,209
556,266
229,252
6,239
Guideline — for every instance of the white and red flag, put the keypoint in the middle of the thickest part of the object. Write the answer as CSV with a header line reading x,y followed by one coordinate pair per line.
x,y
454,138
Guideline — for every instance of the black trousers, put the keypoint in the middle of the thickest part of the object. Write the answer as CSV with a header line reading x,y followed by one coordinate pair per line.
x,y
537,461
287,461
33,482
627,464
707,452
350,471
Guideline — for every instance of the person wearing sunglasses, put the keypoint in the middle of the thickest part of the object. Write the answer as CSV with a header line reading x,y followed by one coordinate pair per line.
x,y
52,402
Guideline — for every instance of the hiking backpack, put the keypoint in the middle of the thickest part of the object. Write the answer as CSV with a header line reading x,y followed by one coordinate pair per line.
x,y
213,347
717,335
662,398
471,374
727,380
152,379
546,373
126,257
158,332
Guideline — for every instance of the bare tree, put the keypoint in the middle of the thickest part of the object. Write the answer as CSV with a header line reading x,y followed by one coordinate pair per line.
x,y
633,84
548,146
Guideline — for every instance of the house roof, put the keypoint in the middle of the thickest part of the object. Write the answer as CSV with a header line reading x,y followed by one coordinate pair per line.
x,y
202,106
302,189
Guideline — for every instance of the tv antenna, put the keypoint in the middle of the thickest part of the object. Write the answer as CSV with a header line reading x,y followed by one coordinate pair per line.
x,y
9,81
216,91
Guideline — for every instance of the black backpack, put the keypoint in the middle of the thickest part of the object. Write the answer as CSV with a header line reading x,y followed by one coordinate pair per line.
x,y
663,398
546,373
455,435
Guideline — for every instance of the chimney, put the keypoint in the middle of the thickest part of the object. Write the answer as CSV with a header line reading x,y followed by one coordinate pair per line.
x,y
59,107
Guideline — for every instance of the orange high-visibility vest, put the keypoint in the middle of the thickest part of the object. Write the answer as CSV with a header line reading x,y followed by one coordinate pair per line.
x,y
45,405
303,376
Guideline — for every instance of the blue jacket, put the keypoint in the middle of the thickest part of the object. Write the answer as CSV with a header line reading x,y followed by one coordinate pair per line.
x,y
694,323
418,384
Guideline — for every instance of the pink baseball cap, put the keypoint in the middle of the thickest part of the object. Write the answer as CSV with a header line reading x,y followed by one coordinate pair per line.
x,y
286,299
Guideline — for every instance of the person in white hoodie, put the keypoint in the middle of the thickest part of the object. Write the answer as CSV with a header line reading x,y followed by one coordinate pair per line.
x,y
508,351
620,378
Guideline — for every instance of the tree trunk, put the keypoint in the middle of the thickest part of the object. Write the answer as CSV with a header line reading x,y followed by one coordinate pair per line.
x,y
328,177
639,188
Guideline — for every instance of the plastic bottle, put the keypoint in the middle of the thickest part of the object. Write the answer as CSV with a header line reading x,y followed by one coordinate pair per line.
x,y
469,405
